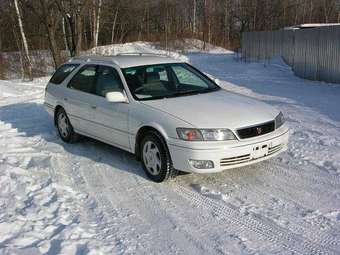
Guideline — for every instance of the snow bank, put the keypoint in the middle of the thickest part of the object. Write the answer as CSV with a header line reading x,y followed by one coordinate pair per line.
x,y
43,63
198,46
133,47
176,48
41,216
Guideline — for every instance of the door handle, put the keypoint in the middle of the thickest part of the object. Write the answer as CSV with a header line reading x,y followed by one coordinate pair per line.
x,y
93,107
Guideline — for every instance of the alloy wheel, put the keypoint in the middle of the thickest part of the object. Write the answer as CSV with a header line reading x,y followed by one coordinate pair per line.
x,y
63,125
152,158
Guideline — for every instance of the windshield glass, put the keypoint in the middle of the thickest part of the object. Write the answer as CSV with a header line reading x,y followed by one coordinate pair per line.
x,y
166,80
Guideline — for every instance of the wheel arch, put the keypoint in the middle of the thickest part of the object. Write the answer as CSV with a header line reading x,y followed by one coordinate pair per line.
x,y
142,131
56,109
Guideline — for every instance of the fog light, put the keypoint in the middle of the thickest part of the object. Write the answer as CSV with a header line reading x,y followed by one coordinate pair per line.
x,y
201,164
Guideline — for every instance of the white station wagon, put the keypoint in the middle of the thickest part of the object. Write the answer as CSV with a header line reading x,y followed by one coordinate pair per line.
x,y
165,111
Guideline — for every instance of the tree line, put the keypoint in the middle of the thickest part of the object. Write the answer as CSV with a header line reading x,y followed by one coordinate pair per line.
x,y
66,27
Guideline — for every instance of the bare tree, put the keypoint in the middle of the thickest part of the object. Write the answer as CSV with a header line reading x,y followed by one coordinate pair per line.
x,y
78,24
73,11
114,23
96,11
194,18
64,34
328,6
98,22
28,64
45,10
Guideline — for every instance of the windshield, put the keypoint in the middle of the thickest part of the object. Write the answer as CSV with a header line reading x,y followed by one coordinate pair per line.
x,y
166,80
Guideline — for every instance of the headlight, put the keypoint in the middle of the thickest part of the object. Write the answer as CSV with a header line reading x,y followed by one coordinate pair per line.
x,y
217,134
279,120
189,134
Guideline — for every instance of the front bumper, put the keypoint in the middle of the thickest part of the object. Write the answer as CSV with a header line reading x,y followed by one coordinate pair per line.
x,y
227,155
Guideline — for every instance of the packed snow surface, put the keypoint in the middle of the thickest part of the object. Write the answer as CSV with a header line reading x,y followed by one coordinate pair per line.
x,y
91,198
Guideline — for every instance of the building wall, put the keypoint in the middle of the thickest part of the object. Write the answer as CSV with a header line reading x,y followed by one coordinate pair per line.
x,y
312,53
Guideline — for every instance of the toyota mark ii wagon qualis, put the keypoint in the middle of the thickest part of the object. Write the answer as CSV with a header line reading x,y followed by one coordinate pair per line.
x,y
169,114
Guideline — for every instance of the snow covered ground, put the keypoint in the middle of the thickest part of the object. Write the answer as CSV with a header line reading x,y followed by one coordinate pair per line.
x,y
91,198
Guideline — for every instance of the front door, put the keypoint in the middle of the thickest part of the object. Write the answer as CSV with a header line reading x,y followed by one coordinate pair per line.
x,y
111,119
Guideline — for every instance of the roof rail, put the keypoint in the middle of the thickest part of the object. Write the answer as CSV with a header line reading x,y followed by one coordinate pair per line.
x,y
141,54
93,58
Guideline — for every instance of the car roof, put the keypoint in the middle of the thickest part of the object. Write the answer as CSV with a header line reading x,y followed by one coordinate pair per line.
x,y
128,60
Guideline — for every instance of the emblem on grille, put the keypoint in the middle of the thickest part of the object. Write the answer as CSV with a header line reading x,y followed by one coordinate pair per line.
x,y
259,130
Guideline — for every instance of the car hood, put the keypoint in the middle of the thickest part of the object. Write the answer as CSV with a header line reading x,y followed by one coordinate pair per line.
x,y
219,109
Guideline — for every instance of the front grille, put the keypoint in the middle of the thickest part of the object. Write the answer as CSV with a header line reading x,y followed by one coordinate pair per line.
x,y
275,149
235,160
247,157
258,130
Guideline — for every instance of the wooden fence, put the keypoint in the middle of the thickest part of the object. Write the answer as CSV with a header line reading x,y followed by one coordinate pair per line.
x,y
312,53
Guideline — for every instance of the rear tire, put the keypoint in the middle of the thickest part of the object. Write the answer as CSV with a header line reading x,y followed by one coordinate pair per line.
x,y
156,159
65,128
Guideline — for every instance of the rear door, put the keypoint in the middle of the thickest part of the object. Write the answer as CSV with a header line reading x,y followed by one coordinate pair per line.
x,y
80,99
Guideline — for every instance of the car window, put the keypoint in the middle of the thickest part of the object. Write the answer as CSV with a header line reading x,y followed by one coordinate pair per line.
x,y
84,80
108,80
187,77
159,70
163,75
166,80
62,72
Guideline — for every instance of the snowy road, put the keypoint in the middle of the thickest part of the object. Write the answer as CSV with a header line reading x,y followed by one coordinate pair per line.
x,y
91,198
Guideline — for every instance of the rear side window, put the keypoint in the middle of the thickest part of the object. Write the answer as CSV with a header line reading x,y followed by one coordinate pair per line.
x,y
62,72
85,79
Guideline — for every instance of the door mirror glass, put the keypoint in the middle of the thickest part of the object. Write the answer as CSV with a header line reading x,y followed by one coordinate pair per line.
x,y
116,97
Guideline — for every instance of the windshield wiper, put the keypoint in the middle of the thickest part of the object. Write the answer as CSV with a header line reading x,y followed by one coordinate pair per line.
x,y
191,92
181,93
184,93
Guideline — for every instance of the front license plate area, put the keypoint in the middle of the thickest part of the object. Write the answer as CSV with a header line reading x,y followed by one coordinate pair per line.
x,y
259,151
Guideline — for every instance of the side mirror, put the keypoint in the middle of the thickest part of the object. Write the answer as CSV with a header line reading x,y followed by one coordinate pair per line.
x,y
116,97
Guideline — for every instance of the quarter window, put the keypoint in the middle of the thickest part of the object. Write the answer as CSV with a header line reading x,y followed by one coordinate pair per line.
x,y
84,80
62,72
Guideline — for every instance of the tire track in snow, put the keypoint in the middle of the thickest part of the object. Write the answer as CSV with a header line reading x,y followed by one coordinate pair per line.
x,y
282,178
112,187
104,196
276,235
142,198
251,184
109,228
259,192
184,233
119,191
122,220
296,174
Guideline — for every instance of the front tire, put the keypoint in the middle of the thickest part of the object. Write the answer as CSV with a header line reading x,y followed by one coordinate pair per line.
x,y
156,159
65,128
